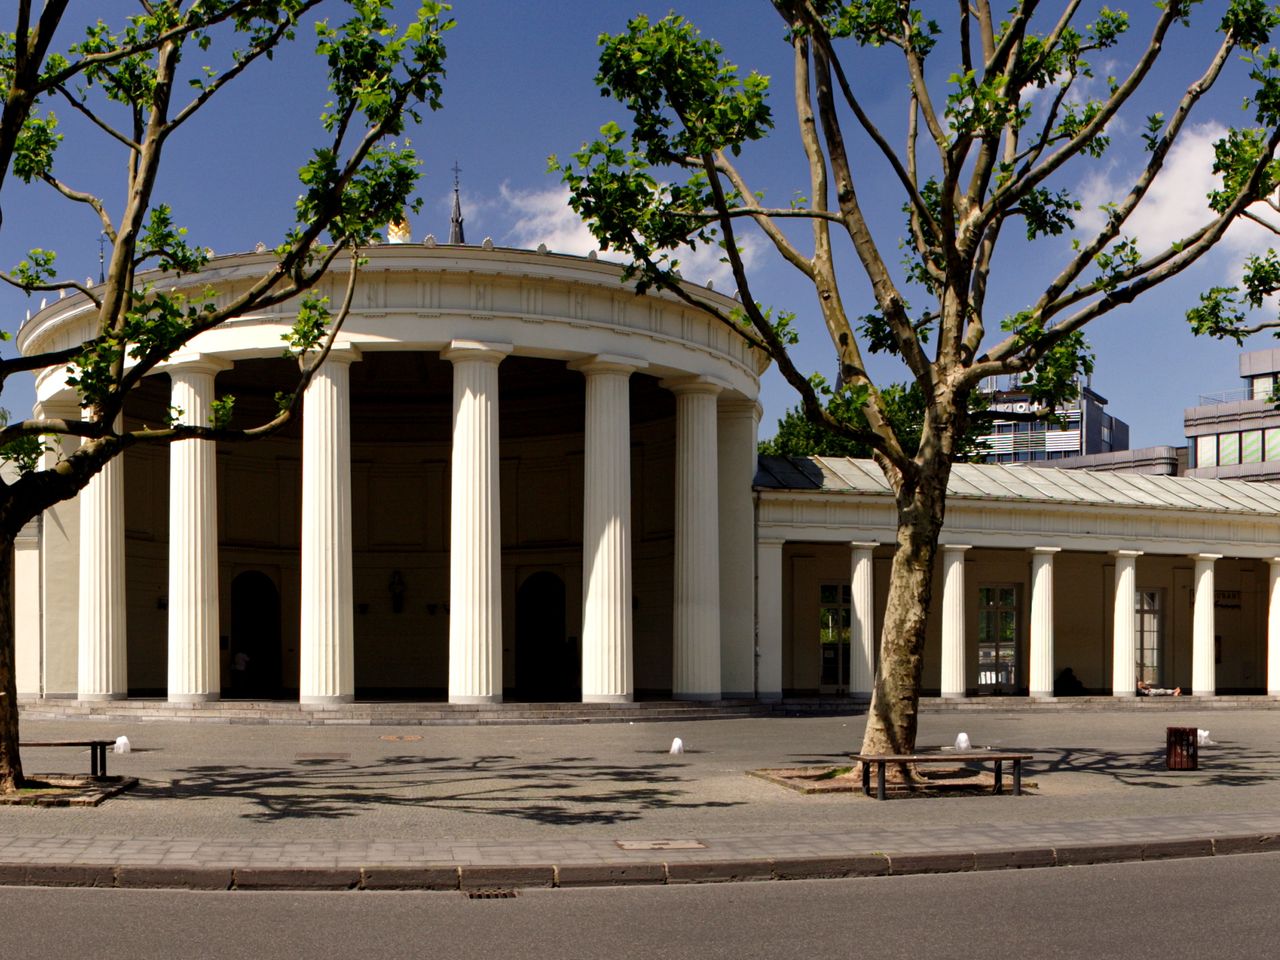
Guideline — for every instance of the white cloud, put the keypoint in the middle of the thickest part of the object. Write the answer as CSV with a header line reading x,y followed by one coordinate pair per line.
x,y
544,216
1177,203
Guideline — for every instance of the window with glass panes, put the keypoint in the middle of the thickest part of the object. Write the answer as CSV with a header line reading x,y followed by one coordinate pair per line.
x,y
1228,448
1207,451
834,618
1147,626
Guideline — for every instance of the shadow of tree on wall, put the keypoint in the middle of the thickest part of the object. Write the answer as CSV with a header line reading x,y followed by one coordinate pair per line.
x,y
564,791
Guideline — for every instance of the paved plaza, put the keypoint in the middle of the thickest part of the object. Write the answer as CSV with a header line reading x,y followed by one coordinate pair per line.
x,y
362,806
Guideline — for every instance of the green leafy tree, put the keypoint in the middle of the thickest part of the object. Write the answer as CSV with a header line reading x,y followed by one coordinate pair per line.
x,y
143,82
999,111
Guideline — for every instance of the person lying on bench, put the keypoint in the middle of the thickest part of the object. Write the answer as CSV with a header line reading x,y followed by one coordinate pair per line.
x,y
1147,690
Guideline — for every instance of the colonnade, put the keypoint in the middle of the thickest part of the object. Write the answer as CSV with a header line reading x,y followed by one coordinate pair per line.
x,y
713,474
954,659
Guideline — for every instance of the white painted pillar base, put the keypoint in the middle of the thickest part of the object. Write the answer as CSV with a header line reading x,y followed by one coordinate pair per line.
x,y
1203,670
475,532
954,681
607,648
194,669
1041,680
769,619
326,655
696,635
862,636
1273,629
102,657
1124,646
739,419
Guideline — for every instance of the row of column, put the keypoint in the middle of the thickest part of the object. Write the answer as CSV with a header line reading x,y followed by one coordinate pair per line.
x,y
862,637
475,624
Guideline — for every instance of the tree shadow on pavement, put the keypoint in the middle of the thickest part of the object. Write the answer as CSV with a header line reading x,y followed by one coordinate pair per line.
x,y
1220,765
561,791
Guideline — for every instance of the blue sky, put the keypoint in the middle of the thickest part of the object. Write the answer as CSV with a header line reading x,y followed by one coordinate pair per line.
x,y
519,87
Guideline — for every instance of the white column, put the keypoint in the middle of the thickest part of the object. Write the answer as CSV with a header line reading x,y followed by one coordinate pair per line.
x,y
327,673
954,682
59,559
607,668
475,541
769,619
193,538
696,639
1203,680
1273,629
1124,648
862,637
1042,621
102,655
736,431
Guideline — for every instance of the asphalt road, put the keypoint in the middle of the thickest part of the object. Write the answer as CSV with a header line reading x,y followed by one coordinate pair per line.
x,y
1167,910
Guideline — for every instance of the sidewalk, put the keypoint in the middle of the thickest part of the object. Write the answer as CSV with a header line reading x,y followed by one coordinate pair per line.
x,y
254,807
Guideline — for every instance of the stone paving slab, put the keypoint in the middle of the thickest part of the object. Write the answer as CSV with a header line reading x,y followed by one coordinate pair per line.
x,y
484,809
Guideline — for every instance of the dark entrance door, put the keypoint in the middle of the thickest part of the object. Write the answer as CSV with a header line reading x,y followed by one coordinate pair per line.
x,y
255,638
547,665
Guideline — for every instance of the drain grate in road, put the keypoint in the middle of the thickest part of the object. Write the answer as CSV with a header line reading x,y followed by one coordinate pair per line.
x,y
321,756
491,893
401,738
660,844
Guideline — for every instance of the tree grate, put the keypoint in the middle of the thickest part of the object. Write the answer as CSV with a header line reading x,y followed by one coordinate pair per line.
x,y
491,893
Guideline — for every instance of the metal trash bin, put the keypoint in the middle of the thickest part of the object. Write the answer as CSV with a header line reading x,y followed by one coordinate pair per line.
x,y
1181,750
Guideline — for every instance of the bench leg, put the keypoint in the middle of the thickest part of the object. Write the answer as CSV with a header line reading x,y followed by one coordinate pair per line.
x,y
1017,778
879,779
999,776
866,778
93,761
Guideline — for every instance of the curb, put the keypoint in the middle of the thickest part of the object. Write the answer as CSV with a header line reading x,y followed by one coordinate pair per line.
x,y
487,879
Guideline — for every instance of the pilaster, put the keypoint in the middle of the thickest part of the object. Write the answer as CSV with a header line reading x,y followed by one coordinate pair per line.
x,y
769,619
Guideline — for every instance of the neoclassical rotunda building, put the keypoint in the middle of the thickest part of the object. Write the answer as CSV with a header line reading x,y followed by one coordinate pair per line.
x,y
515,480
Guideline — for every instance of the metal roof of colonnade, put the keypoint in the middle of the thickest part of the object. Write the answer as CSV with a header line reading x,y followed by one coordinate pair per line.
x,y
999,482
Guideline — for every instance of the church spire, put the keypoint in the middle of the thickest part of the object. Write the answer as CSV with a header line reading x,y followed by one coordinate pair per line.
x,y
455,221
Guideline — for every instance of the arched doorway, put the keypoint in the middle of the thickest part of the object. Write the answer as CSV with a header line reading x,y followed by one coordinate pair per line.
x,y
255,638
547,666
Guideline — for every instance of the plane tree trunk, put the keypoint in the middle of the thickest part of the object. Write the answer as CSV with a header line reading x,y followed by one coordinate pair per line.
x,y
10,762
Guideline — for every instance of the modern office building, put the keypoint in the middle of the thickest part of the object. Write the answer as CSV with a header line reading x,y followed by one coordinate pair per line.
x,y
1236,434
1083,428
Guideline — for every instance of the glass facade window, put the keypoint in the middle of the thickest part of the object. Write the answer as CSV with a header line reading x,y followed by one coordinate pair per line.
x,y
1251,446
1206,451
1228,449
997,639
1273,445
1260,387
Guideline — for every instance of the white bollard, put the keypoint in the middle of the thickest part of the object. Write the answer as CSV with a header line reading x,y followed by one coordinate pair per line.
x,y
677,745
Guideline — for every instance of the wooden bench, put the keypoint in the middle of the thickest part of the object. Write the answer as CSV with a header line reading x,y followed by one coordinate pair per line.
x,y
97,752
951,756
